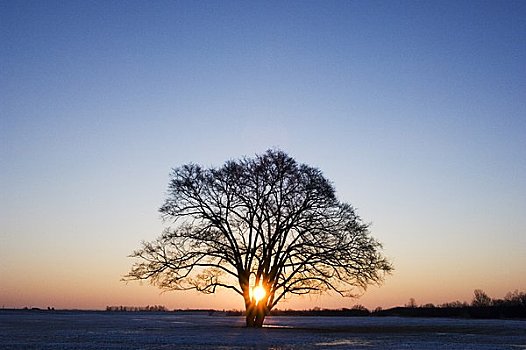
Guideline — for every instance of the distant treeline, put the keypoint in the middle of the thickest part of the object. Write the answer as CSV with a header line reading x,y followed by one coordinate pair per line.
x,y
357,310
152,308
513,305
490,312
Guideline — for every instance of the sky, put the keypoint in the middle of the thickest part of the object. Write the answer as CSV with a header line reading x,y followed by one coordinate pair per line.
x,y
415,110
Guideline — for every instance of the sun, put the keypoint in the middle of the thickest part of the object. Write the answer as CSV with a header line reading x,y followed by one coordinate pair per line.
x,y
258,293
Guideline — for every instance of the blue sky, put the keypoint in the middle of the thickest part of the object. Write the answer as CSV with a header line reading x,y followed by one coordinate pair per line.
x,y
415,110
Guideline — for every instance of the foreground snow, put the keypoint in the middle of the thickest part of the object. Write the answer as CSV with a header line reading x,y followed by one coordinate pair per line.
x,y
102,330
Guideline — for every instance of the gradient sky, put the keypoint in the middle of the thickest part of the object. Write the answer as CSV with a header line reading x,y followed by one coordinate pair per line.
x,y
415,110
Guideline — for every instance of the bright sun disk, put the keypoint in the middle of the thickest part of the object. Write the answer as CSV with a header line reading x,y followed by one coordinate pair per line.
x,y
258,293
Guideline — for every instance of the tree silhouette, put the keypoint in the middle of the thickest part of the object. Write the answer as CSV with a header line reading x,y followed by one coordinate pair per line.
x,y
480,299
265,227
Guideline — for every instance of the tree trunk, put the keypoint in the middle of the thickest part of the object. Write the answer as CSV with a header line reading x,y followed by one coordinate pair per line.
x,y
255,314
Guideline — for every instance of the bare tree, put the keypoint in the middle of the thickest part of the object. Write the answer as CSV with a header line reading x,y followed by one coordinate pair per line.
x,y
264,227
411,304
480,298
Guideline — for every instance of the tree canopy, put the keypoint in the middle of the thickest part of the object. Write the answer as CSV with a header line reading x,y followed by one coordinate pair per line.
x,y
265,227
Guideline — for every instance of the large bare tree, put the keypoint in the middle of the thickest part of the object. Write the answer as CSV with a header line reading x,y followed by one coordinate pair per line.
x,y
265,227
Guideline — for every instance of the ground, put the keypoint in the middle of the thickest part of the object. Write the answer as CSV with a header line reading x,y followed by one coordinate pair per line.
x,y
128,330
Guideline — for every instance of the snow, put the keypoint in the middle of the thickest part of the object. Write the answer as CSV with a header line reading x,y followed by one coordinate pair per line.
x,y
107,330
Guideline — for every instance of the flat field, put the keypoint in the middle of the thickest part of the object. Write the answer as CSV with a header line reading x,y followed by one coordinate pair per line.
x,y
114,330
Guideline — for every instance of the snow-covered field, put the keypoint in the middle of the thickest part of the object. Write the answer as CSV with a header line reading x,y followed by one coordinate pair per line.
x,y
105,330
